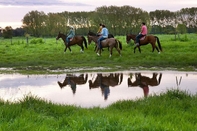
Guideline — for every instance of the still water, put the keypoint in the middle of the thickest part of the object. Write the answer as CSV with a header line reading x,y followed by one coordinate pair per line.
x,y
95,88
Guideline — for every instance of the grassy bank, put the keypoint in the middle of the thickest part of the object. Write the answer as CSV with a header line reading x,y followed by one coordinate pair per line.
x,y
47,53
174,110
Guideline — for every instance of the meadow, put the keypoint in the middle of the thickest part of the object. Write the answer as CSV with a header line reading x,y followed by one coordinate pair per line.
x,y
41,54
173,110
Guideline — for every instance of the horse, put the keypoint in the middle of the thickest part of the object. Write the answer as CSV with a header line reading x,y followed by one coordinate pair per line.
x,y
148,39
73,81
109,42
144,82
79,40
104,82
154,81
94,34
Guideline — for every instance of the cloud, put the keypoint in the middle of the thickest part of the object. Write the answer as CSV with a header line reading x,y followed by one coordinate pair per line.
x,y
39,3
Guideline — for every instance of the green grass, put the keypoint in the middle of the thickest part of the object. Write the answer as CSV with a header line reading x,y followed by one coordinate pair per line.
x,y
173,110
42,54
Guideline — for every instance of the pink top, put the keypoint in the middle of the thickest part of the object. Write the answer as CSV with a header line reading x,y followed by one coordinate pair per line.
x,y
144,30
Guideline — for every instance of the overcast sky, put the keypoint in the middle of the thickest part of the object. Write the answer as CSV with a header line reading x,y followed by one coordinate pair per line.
x,y
13,11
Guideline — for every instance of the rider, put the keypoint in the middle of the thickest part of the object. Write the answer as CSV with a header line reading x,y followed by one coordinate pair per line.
x,y
103,35
142,33
70,35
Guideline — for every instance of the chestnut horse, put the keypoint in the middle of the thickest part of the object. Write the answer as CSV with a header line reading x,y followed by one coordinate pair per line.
x,y
109,42
144,81
79,40
148,39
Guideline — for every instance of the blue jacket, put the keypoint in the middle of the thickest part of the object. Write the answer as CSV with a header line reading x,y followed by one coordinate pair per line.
x,y
71,33
104,32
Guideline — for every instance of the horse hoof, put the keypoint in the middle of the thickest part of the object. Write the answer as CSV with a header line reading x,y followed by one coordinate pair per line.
x,y
98,54
158,52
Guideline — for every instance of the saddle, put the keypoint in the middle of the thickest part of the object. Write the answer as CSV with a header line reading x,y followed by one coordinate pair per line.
x,y
104,40
143,37
71,39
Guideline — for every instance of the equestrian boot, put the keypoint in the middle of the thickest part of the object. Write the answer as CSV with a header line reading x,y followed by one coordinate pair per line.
x,y
137,44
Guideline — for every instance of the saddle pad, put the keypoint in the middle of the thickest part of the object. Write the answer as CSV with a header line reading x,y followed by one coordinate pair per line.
x,y
142,38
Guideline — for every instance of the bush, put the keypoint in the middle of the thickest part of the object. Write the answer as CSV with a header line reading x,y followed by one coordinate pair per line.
x,y
36,41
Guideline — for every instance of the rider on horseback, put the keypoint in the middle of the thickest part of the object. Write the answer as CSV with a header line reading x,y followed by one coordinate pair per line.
x,y
103,35
142,33
70,35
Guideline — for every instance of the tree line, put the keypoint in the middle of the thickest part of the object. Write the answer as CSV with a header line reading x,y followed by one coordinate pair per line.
x,y
118,20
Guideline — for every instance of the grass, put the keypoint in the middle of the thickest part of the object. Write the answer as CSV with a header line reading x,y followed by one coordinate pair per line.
x,y
173,110
176,111
43,54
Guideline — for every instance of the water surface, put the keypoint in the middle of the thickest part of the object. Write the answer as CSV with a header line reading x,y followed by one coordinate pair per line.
x,y
95,88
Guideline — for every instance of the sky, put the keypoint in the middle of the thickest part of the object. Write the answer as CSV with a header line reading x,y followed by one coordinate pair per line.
x,y
13,11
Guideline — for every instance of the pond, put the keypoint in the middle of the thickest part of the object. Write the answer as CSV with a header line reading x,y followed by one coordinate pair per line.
x,y
95,88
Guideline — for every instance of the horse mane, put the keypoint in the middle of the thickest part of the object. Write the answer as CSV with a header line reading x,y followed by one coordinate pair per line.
x,y
92,33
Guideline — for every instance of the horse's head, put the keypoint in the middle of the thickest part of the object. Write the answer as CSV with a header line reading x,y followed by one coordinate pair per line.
x,y
129,37
91,33
60,35
89,39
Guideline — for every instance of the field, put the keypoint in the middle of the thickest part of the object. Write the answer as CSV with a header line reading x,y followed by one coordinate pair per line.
x,y
40,54
174,110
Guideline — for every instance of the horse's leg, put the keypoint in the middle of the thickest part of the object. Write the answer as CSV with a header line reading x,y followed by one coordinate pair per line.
x,y
69,49
97,48
135,48
139,49
110,48
65,49
118,50
82,48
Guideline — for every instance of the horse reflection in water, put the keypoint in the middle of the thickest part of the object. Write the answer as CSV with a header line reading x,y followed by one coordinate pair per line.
x,y
73,81
105,81
144,82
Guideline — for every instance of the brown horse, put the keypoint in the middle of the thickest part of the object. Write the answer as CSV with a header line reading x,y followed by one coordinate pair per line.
x,y
79,40
104,82
109,42
148,39
73,81
144,82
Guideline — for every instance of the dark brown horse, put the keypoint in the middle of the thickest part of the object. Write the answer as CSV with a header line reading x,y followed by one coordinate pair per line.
x,y
148,39
73,81
109,42
79,40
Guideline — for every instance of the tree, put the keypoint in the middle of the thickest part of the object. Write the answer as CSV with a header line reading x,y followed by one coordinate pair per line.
x,y
8,32
34,23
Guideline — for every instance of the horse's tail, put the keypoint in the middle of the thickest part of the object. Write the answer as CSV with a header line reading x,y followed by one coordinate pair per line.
x,y
84,40
158,43
120,44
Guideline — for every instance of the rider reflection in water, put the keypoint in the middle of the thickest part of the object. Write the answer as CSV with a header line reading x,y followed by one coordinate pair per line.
x,y
104,88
